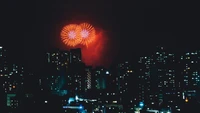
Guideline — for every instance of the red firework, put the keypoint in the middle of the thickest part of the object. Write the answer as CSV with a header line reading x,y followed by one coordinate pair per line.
x,y
87,33
70,35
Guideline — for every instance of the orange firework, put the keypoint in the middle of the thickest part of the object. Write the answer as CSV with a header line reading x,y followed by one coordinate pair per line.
x,y
70,35
87,33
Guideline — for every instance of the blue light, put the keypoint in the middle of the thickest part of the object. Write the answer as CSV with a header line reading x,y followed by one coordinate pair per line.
x,y
80,107
76,98
73,107
70,100
141,104
83,111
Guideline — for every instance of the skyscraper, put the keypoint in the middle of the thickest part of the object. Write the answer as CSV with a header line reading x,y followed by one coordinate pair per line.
x,y
88,77
3,62
100,74
70,71
157,78
58,58
190,72
11,80
125,71
75,55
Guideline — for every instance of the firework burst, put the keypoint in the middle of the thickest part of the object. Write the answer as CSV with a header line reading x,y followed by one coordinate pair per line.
x,y
87,33
70,35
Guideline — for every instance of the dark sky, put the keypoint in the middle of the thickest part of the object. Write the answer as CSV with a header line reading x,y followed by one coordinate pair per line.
x,y
28,28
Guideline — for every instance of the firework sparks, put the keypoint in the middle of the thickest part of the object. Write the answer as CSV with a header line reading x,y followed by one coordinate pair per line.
x,y
87,33
70,35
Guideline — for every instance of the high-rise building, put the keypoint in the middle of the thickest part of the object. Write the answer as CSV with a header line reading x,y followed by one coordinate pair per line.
x,y
77,77
126,84
157,81
77,72
69,73
145,79
88,78
14,80
11,80
125,71
101,75
60,59
75,55
3,62
190,72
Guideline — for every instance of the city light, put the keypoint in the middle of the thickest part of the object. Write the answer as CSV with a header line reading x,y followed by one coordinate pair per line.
x,y
70,100
186,100
141,104
107,87
137,111
73,107
76,97
80,107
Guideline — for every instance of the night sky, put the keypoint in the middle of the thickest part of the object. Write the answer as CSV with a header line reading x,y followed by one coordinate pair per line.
x,y
29,28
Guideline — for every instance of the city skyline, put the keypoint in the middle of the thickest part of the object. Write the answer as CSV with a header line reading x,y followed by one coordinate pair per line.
x,y
41,56
157,81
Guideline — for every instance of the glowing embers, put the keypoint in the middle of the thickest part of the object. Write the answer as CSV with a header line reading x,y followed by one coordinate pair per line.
x,y
74,34
70,35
